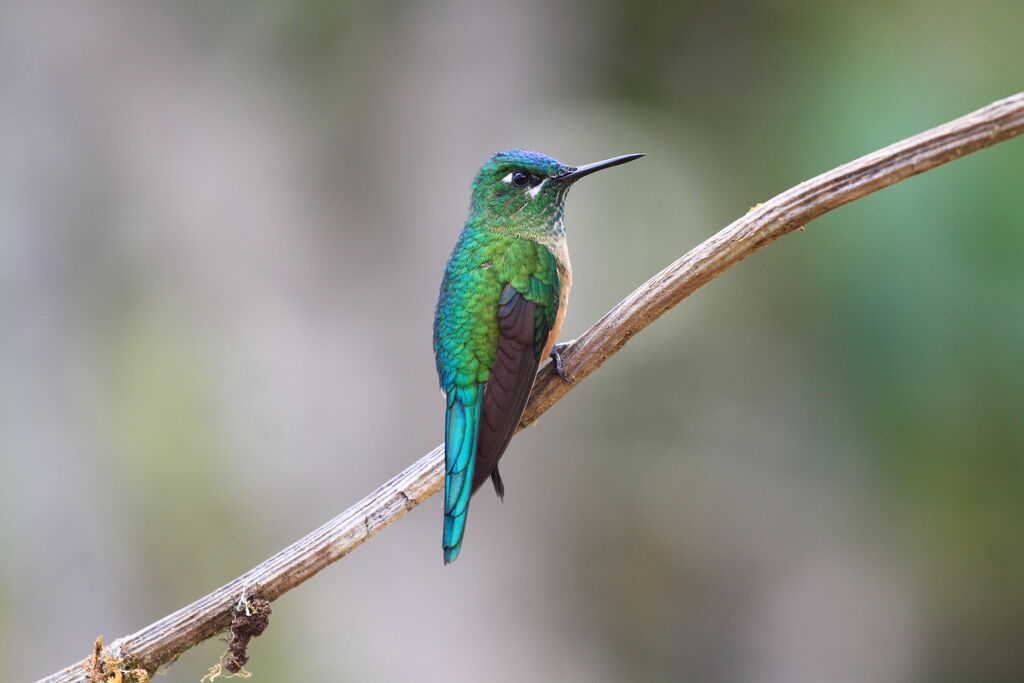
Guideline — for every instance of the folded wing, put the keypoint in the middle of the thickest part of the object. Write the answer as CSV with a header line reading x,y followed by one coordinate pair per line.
x,y
522,335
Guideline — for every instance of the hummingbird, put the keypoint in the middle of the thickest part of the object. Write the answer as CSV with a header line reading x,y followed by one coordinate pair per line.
x,y
501,306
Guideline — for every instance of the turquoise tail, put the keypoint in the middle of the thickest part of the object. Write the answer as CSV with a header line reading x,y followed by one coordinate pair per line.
x,y
461,427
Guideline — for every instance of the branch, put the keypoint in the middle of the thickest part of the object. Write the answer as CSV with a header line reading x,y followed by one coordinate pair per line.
x,y
164,640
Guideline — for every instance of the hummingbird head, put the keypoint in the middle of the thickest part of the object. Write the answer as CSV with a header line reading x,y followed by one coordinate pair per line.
x,y
524,192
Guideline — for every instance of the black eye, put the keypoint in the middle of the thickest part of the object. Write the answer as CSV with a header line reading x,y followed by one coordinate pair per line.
x,y
520,179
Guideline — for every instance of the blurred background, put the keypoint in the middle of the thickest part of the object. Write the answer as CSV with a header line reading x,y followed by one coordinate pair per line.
x,y
222,228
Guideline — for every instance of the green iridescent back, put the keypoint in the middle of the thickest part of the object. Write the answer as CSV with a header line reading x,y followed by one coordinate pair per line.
x,y
466,326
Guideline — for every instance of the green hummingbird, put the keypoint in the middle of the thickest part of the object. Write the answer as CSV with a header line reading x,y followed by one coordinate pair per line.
x,y
501,306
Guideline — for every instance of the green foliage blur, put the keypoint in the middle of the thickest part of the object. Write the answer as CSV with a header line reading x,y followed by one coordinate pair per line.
x,y
222,228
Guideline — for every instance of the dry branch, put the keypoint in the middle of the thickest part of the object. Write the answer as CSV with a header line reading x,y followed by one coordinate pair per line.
x,y
162,641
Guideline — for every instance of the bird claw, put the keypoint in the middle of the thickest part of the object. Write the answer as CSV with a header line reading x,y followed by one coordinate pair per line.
x,y
556,358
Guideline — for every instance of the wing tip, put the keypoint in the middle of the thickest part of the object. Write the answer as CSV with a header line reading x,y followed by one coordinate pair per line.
x,y
499,485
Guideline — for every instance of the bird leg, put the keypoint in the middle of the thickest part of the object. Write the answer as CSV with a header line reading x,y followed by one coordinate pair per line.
x,y
556,357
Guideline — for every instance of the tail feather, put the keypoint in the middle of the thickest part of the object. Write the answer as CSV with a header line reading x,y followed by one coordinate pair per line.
x,y
462,423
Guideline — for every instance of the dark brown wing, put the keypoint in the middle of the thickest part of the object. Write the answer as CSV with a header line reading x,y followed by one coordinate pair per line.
x,y
508,388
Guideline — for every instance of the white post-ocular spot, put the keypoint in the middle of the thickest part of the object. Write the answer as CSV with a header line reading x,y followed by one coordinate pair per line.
x,y
532,191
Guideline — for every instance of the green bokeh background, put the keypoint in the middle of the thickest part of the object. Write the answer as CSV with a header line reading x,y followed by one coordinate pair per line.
x,y
222,227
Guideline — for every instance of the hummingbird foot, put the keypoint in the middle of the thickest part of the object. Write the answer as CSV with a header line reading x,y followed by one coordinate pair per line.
x,y
556,358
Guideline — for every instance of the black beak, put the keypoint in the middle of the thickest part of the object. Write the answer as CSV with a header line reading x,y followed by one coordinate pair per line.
x,y
596,166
